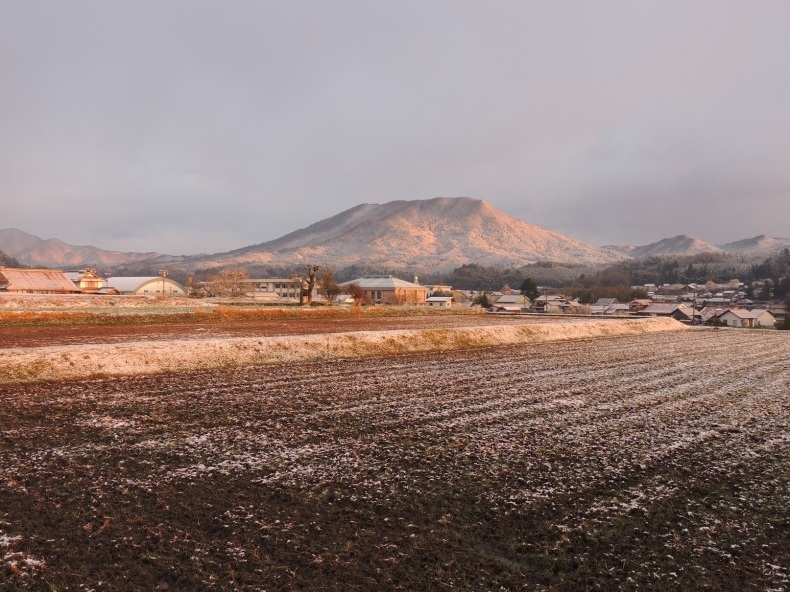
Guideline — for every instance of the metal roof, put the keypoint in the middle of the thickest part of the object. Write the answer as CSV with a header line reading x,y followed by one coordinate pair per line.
x,y
132,284
383,282
512,299
37,280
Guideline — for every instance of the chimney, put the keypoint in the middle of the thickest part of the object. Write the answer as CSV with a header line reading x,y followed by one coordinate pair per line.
x,y
416,280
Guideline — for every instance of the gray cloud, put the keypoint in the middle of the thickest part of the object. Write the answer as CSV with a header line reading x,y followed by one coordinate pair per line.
x,y
195,126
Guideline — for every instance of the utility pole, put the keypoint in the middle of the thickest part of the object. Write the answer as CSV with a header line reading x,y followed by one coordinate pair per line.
x,y
693,305
163,273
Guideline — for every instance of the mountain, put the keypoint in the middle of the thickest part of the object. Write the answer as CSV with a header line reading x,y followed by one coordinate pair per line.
x,y
763,245
31,250
437,234
688,245
681,244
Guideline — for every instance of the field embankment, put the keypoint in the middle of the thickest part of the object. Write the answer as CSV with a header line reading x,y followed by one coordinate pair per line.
x,y
85,361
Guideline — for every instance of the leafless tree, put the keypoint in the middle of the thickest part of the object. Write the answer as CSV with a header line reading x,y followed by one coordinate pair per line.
x,y
359,294
307,284
228,282
328,287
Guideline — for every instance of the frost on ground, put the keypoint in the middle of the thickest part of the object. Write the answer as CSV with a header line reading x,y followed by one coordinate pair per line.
x,y
83,361
646,462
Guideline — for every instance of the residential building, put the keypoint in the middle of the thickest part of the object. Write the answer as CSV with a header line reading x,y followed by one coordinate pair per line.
x,y
765,318
519,300
386,289
88,280
736,317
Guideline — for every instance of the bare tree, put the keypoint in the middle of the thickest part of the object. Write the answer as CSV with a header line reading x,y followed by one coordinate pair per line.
x,y
359,294
307,284
328,287
228,282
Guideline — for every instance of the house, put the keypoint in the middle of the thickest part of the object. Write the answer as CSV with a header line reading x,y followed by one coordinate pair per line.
x,y
439,301
544,302
736,317
506,290
88,280
147,286
765,318
386,289
606,302
679,312
708,313
610,310
36,281
608,306
519,300
638,304
556,304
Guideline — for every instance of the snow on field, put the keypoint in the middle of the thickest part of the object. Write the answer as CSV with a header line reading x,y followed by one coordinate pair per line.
x,y
657,457
65,362
58,302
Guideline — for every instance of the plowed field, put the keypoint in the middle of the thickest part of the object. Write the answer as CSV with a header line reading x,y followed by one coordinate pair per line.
x,y
658,462
31,336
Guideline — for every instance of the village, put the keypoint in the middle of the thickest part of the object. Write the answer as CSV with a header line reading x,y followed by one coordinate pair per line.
x,y
713,304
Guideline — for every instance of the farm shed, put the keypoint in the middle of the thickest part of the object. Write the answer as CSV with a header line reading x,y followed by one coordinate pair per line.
x,y
439,301
147,286
509,308
386,289
36,281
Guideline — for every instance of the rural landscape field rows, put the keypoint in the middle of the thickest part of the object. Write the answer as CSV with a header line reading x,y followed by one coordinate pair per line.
x,y
655,461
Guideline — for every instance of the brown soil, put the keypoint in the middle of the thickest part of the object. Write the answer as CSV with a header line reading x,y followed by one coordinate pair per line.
x,y
13,337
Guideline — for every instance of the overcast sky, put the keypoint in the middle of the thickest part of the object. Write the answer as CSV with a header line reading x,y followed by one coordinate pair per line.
x,y
193,126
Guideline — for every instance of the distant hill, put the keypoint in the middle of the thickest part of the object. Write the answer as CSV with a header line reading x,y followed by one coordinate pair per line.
x,y
438,234
683,244
765,245
36,252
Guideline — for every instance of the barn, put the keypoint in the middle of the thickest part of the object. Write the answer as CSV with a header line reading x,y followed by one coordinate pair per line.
x,y
36,281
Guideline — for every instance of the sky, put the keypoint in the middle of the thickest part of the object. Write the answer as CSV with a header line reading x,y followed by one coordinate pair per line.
x,y
189,126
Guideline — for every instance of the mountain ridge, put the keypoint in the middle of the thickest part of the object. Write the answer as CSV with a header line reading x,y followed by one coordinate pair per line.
x,y
29,249
437,234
